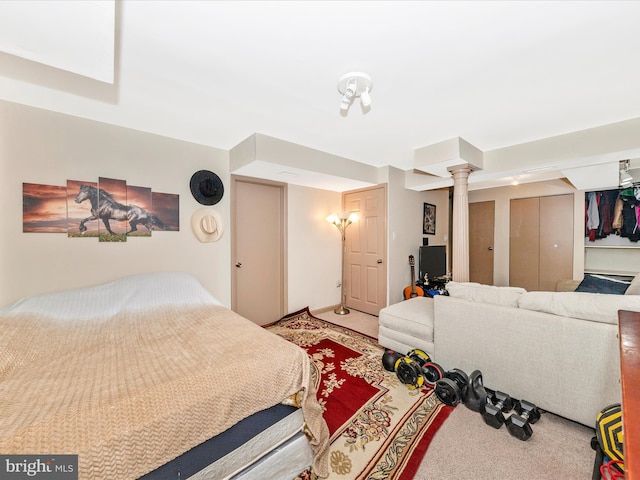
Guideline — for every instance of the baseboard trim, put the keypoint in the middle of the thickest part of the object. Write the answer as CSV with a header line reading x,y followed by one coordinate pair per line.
x,y
324,309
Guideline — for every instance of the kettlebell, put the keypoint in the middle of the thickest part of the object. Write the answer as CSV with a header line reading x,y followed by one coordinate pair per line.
x,y
475,396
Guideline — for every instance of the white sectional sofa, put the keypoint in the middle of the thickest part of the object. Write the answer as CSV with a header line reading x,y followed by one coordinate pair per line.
x,y
558,350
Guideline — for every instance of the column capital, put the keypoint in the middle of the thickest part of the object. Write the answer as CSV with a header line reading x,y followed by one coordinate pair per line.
x,y
460,227
463,168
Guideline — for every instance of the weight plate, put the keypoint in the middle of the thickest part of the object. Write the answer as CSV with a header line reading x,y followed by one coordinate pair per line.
x,y
609,432
432,373
409,372
448,392
459,377
418,356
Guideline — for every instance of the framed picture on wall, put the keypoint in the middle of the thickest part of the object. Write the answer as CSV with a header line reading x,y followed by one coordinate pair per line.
x,y
429,220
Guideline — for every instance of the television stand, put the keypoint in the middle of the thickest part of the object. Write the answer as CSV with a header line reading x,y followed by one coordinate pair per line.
x,y
436,283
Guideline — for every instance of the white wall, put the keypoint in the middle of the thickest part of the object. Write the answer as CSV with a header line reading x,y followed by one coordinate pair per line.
x,y
39,146
502,197
405,217
313,248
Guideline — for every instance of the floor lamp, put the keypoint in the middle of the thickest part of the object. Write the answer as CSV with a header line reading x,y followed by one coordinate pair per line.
x,y
341,224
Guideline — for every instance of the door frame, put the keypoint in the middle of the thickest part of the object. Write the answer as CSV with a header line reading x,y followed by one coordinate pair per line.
x,y
283,237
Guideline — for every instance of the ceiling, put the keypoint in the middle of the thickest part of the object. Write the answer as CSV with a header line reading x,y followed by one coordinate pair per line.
x,y
496,74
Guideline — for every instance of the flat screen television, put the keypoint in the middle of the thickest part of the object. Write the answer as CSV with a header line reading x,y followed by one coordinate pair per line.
x,y
432,260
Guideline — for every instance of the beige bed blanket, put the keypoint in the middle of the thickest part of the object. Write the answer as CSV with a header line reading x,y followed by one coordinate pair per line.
x,y
128,394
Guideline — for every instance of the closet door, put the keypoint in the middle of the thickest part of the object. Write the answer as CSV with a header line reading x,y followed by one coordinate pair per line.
x,y
524,243
556,241
481,229
540,242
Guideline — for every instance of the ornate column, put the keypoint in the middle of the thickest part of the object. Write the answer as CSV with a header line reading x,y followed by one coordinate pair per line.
x,y
460,227
458,158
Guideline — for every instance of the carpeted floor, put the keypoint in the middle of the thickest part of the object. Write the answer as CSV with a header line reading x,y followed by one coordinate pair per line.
x,y
464,448
467,449
379,428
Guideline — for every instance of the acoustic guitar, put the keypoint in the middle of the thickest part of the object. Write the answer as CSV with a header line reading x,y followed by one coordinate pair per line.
x,y
413,290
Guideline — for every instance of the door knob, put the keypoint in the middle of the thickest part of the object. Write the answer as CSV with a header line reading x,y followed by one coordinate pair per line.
x,y
238,264
379,260
490,249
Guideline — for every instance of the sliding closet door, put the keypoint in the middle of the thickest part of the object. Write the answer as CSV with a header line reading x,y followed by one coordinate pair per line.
x,y
541,242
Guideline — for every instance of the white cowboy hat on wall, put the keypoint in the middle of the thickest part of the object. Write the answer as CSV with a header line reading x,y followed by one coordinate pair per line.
x,y
207,225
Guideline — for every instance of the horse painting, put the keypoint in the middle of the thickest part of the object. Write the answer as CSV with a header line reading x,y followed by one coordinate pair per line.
x,y
105,208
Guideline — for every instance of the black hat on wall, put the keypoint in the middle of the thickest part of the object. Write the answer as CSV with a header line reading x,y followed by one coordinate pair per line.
x,y
206,187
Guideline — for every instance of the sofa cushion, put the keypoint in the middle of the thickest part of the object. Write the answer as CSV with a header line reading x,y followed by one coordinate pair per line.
x,y
413,317
613,284
634,288
476,292
586,306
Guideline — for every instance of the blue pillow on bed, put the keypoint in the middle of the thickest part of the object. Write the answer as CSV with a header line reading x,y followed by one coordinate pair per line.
x,y
612,284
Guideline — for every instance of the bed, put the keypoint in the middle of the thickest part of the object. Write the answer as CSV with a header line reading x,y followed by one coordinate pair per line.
x,y
151,377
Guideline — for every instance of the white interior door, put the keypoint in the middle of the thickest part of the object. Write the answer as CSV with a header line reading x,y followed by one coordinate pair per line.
x,y
258,291
366,250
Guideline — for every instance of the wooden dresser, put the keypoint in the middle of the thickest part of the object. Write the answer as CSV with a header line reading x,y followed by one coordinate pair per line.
x,y
629,326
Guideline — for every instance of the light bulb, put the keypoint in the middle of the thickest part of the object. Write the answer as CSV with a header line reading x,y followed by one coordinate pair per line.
x,y
365,98
345,103
625,179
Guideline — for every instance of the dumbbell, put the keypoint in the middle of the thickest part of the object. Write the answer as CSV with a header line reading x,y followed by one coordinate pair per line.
x,y
519,424
414,369
409,368
492,413
451,388
432,373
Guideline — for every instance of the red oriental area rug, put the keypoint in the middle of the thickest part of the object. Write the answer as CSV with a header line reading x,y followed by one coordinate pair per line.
x,y
380,428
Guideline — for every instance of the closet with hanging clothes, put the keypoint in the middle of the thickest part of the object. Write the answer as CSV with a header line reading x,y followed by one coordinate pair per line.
x,y
612,233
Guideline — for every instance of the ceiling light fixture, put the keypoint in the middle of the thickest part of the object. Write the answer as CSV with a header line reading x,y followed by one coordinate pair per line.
x,y
626,180
355,85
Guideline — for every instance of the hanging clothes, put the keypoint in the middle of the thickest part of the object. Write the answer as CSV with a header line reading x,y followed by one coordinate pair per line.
x,y
630,208
617,215
593,216
606,207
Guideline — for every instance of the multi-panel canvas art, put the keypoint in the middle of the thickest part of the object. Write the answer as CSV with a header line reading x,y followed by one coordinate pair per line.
x,y
44,208
108,209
